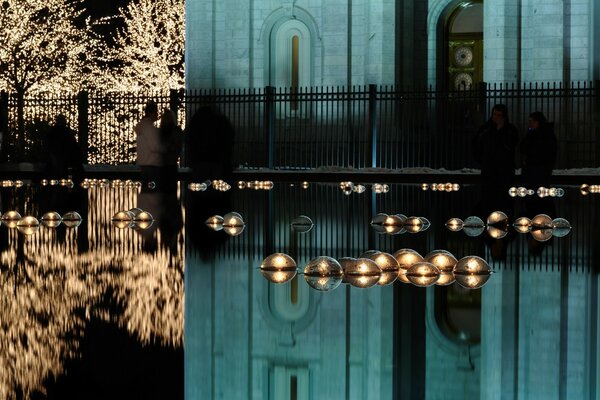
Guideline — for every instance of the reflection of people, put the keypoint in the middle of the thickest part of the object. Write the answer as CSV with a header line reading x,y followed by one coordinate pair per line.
x,y
149,149
494,147
62,152
538,151
209,144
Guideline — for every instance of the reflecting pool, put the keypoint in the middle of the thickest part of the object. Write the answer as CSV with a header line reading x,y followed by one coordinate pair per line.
x,y
301,290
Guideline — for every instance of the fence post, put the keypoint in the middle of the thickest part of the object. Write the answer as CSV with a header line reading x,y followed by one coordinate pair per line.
x,y
3,124
83,126
482,94
373,122
268,125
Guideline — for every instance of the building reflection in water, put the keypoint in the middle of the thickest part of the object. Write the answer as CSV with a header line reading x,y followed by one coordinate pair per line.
x,y
247,337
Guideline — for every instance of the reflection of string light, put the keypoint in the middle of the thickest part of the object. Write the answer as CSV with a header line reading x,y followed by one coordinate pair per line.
x,y
454,224
380,188
441,187
305,185
472,272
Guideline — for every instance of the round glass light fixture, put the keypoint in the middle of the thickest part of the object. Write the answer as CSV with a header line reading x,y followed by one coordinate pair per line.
x,y
472,272
445,279
10,219
522,225
413,224
454,224
28,225
215,222
498,219
361,272
359,189
233,219
323,273
473,226
442,259
234,230
560,227
541,221
389,267
406,258
143,220
496,232
71,219
542,234
423,274
51,219
278,268
302,224
584,189
122,219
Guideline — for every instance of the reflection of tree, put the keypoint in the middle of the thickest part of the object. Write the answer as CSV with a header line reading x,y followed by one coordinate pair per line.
x,y
47,295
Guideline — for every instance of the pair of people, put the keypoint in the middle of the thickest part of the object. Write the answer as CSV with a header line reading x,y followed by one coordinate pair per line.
x,y
158,148
496,142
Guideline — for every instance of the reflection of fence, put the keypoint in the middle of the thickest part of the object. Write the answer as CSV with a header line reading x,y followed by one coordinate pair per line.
x,y
366,126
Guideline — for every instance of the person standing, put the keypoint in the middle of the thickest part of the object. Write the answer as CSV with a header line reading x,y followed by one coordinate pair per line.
x,y
494,148
538,151
149,148
171,140
62,152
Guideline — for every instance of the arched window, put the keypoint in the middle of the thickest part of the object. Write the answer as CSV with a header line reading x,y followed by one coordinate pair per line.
x,y
290,60
465,45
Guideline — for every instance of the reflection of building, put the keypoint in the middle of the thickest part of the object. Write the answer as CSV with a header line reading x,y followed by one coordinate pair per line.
x,y
247,338
314,43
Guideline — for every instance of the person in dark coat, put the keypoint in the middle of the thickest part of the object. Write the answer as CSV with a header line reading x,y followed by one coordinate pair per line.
x,y
62,152
209,144
494,147
170,136
538,152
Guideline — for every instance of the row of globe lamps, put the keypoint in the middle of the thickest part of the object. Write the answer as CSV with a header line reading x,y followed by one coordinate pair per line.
x,y
28,225
441,187
134,218
586,189
542,227
395,224
231,223
372,268
541,192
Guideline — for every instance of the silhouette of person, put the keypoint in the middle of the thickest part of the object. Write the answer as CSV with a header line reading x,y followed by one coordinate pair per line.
x,y
171,139
62,152
494,147
149,147
538,151
209,144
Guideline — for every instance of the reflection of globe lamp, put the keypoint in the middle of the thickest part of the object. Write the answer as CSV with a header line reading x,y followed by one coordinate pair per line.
x,y
445,279
496,232
541,234
541,221
71,219
302,224
473,226
359,189
454,224
472,272
413,224
215,222
51,219
278,268
498,219
323,273
389,267
406,258
522,225
10,219
143,220
234,230
232,219
393,225
442,259
28,225
585,189
423,274
122,219
361,272
560,227
512,192
379,219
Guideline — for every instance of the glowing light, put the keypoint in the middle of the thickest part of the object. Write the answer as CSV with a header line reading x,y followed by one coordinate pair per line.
x,y
278,268
472,272
28,225
323,273
522,225
423,274
454,224
406,258
361,272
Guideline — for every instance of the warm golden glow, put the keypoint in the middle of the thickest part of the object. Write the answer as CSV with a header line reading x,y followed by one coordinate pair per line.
x,y
423,274
454,224
522,225
278,268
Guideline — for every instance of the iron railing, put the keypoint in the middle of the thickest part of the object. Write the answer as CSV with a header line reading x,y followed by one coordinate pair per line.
x,y
358,126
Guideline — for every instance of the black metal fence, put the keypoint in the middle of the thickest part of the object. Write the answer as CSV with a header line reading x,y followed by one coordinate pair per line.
x,y
359,126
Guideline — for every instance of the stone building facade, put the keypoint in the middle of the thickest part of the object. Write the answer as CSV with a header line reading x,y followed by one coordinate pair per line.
x,y
242,43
